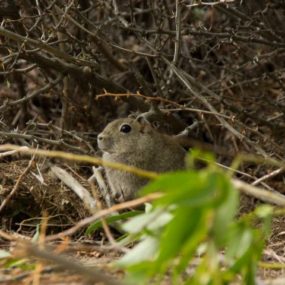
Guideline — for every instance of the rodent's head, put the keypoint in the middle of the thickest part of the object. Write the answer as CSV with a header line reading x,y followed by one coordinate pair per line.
x,y
123,136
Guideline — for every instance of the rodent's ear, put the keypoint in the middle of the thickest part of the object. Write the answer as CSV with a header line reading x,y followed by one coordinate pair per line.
x,y
133,116
155,124
145,127
141,119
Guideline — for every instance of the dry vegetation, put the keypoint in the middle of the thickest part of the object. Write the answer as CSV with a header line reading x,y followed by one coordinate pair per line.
x,y
69,67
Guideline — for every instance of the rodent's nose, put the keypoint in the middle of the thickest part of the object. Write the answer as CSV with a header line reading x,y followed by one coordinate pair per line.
x,y
103,142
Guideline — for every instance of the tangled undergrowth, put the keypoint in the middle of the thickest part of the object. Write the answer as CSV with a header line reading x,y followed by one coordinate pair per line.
x,y
68,68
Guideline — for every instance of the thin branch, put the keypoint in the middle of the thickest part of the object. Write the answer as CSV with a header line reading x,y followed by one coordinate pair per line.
x,y
94,274
182,78
222,35
267,176
102,45
178,32
104,213
16,186
38,139
19,70
75,70
270,197
261,194
75,186
215,3
81,158
33,94
43,46
162,100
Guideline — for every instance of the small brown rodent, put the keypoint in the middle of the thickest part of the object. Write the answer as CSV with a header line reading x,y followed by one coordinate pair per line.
x,y
133,143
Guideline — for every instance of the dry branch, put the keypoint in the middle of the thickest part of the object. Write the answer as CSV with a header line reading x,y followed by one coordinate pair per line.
x,y
92,274
17,184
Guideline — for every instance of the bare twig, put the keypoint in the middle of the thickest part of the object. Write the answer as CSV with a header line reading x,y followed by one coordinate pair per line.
x,y
43,46
98,41
93,274
264,195
270,197
82,158
74,185
98,178
103,213
178,31
33,94
182,78
11,152
16,186
38,139
201,3
267,176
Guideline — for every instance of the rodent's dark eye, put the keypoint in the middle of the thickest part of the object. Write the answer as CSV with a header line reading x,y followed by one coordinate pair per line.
x,y
125,128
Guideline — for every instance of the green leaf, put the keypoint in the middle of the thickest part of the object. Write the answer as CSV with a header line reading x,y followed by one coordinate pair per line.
x,y
197,208
197,154
150,221
239,241
186,188
111,220
37,234
194,242
224,215
19,263
143,251
264,211
183,227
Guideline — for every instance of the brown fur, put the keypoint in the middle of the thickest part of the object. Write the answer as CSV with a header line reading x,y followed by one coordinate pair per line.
x,y
142,147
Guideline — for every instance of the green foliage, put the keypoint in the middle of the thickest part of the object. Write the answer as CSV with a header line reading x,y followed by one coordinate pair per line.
x,y
111,221
7,261
193,226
